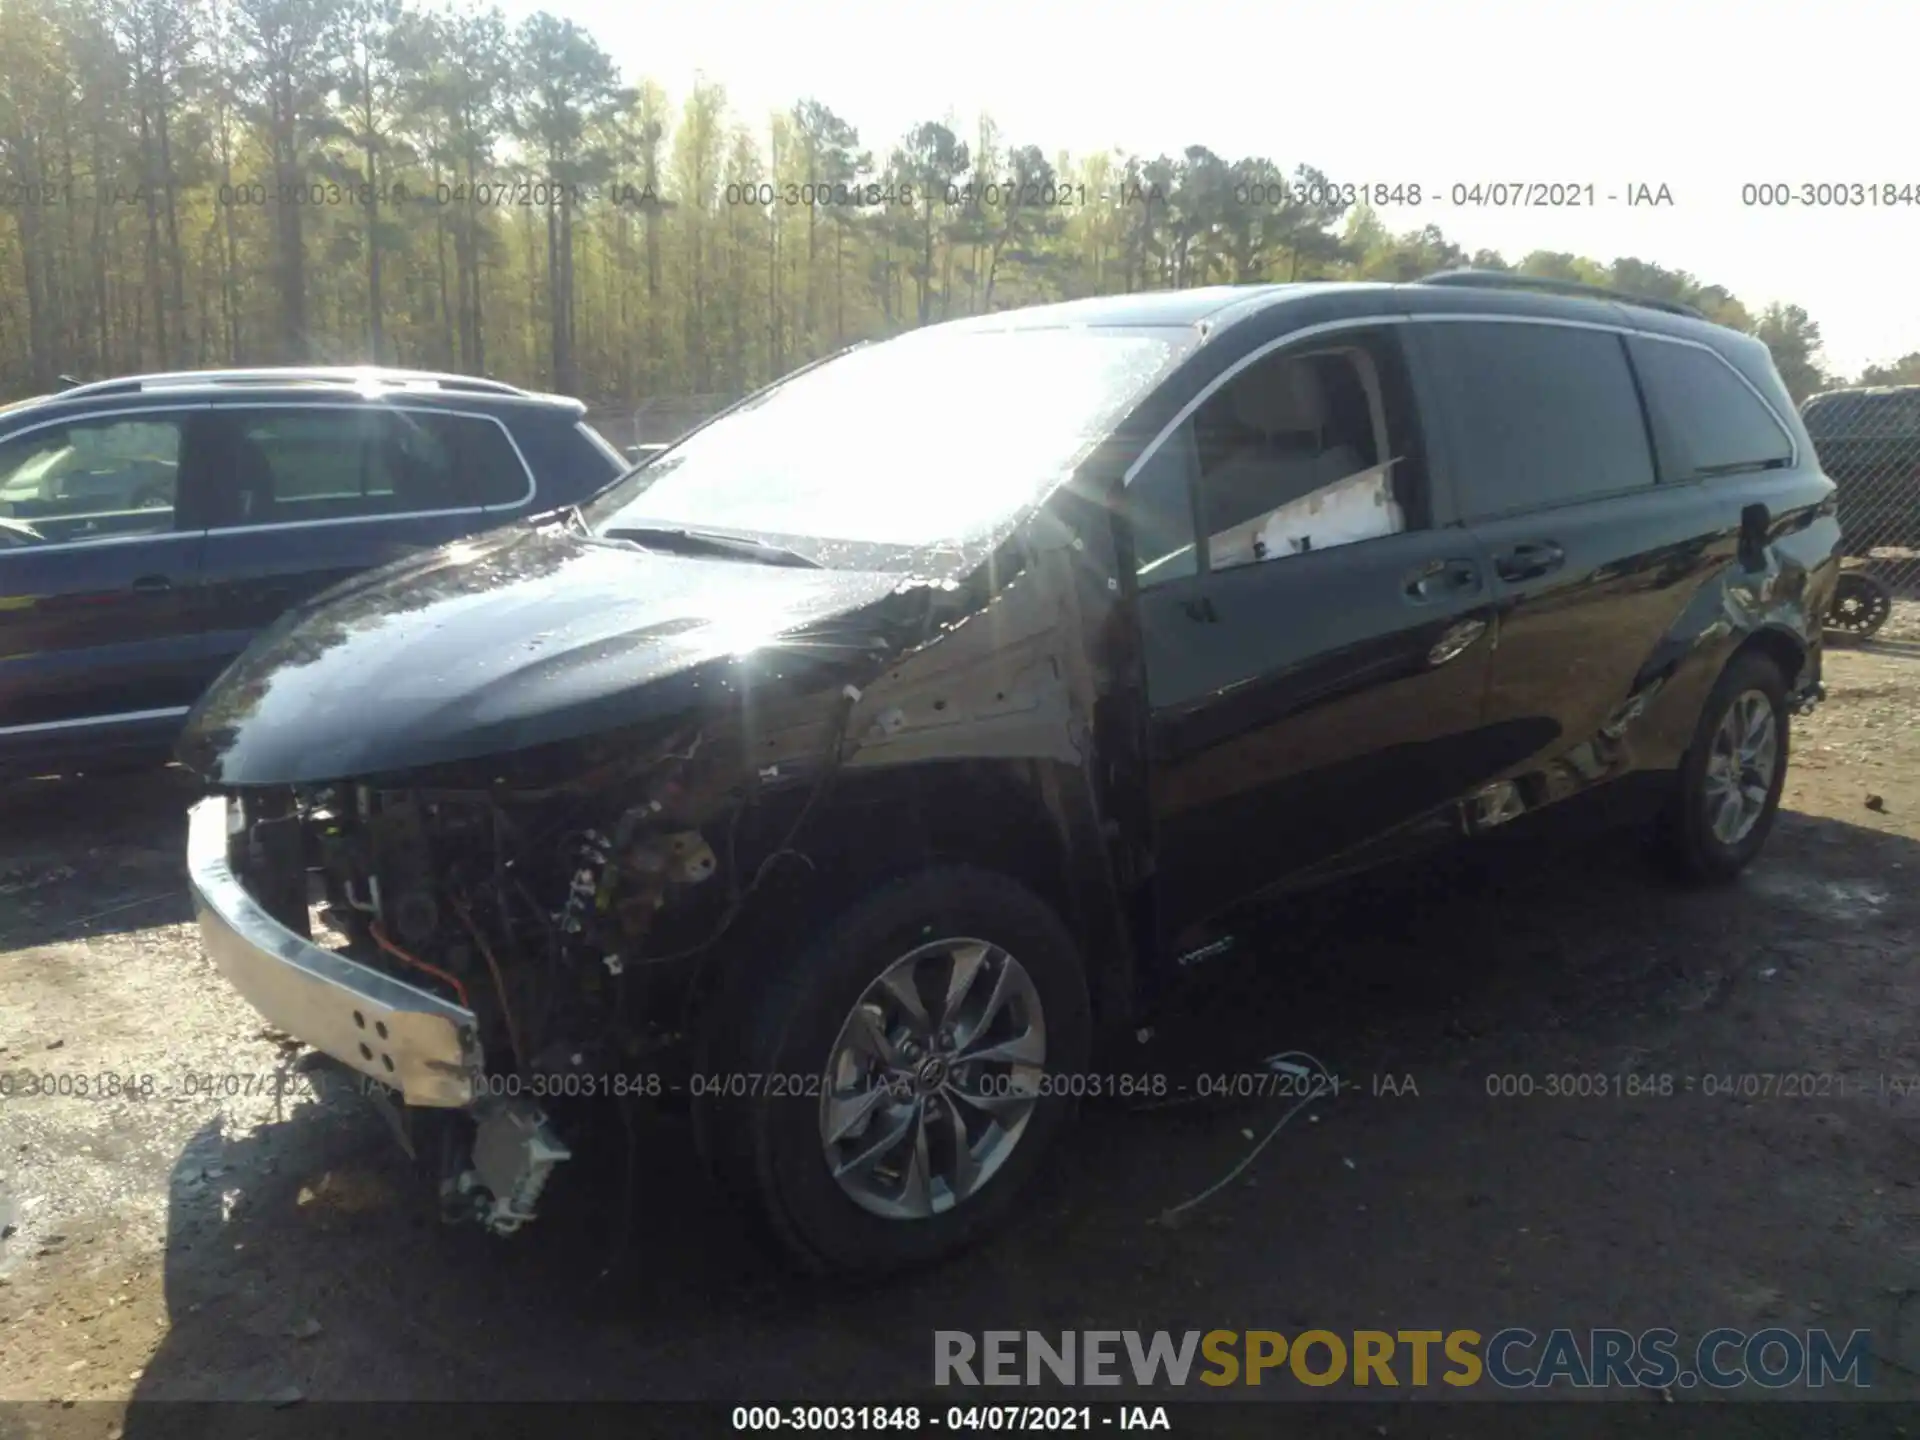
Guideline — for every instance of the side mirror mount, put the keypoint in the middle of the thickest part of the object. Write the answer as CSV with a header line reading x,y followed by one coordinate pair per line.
x,y
1756,529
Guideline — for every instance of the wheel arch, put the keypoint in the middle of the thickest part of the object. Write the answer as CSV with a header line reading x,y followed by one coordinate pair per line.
x,y
1779,644
1030,820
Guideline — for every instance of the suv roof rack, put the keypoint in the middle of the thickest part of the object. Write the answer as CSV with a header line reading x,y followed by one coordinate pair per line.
x,y
295,374
1510,280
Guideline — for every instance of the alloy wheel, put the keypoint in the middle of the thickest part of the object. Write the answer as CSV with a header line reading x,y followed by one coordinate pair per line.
x,y
1740,766
933,1078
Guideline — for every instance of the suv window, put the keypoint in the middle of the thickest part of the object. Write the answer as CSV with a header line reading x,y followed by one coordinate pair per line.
x,y
1705,419
1303,450
335,462
1160,508
93,478
483,457
1538,414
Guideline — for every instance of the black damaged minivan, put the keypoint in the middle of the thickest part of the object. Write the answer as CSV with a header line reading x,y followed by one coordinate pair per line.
x,y
846,770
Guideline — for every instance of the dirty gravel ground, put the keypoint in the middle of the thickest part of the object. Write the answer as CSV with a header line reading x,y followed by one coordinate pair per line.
x,y
242,1247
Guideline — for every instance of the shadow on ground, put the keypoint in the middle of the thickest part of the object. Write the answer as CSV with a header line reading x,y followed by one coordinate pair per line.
x,y
305,1259
132,826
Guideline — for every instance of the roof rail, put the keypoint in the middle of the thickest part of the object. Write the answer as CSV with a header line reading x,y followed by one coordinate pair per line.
x,y
1511,280
295,374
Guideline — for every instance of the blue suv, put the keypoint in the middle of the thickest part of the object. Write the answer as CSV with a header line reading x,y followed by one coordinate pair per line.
x,y
151,526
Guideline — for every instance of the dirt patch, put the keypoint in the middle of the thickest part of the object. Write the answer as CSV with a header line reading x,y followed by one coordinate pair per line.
x,y
205,1238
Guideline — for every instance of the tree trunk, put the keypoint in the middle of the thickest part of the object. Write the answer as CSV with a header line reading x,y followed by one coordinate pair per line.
x,y
376,323
440,272
171,211
293,344
155,292
97,241
776,349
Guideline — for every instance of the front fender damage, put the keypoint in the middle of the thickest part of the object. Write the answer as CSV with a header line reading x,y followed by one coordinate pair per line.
x,y
584,898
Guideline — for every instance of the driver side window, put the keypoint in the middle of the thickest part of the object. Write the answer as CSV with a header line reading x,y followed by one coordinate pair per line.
x,y
1303,450
93,478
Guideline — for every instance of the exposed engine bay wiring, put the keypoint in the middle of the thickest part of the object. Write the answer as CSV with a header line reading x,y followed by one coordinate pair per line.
x,y
738,897
377,930
499,985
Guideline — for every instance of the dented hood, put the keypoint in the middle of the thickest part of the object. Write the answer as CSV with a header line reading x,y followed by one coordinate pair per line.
x,y
518,638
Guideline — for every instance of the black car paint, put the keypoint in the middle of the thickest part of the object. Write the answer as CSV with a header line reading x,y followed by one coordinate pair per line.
x,y
140,626
524,637
1184,757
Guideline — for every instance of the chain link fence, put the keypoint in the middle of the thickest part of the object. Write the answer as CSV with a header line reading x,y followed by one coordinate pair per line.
x,y
1868,441
657,421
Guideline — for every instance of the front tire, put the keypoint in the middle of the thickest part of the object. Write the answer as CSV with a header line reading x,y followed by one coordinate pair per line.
x,y
1728,789
903,1060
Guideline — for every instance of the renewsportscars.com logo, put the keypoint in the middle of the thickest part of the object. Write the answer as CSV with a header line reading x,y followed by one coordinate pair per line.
x,y
1511,1359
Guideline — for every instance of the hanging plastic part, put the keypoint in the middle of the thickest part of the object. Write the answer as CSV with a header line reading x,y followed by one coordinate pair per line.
x,y
514,1152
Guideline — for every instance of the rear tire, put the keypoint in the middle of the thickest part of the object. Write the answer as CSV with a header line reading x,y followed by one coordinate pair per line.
x,y
796,1027
1727,792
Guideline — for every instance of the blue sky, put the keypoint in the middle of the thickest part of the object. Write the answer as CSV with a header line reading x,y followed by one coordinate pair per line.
x,y
1703,97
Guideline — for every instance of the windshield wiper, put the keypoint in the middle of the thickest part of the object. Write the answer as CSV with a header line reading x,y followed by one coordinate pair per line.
x,y
705,542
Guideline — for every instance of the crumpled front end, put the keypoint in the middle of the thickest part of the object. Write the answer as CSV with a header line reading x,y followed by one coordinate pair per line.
x,y
473,941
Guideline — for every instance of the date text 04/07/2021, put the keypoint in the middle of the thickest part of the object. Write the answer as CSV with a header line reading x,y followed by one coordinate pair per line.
x,y
960,1419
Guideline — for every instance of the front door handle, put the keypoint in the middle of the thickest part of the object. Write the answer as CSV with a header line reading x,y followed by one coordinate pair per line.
x,y
1529,560
1438,579
1201,610
1456,640
152,585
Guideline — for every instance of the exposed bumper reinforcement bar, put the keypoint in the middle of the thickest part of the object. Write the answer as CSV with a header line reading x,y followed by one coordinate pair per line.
x,y
404,1037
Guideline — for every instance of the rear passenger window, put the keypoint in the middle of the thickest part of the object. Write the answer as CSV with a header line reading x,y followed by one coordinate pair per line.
x,y
1706,420
298,465
1537,414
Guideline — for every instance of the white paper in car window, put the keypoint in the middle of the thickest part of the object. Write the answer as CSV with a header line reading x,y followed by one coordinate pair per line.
x,y
1359,507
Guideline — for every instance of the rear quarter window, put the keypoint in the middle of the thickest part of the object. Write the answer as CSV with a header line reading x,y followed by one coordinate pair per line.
x,y
1706,419
573,461
490,467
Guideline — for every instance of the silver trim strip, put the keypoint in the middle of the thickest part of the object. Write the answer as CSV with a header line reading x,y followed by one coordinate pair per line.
x,y
289,375
23,551
216,533
1361,322
123,717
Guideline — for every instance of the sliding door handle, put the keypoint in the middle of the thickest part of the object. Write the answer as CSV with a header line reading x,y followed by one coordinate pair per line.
x,y
1529,560
1438,579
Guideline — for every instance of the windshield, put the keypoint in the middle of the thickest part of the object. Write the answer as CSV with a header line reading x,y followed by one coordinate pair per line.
x,y
935,438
